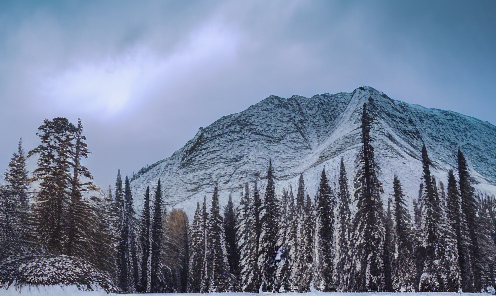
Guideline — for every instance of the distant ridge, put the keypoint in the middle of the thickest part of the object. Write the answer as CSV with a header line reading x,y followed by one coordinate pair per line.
x,y
304,135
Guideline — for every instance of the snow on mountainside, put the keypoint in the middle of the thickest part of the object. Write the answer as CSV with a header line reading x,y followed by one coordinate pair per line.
x,y
304,135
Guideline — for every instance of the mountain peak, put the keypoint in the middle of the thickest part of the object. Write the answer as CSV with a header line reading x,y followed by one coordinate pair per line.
x,y
302,135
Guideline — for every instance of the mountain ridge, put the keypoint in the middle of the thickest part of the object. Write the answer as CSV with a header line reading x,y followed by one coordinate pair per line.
x,y
303,135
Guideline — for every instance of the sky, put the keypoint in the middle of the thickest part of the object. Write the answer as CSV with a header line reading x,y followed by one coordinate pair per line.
x,y
144,76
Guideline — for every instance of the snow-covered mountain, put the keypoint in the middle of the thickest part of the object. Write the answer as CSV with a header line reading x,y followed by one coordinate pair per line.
x,y
305,135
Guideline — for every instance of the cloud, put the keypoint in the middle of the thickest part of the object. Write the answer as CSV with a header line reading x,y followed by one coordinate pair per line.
x,y
143,76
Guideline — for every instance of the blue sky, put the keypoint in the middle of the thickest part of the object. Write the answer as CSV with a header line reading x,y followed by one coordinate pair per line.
x,y
145,75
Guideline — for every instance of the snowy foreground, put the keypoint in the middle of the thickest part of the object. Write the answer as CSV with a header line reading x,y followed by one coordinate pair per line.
x,y
73,291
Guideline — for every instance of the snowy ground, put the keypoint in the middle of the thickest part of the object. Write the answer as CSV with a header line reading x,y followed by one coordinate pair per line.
x,y
73,291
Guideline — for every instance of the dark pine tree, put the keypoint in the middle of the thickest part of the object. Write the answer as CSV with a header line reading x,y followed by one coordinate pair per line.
x,y
299,264
230,230
54,173
308,247
196,253
403,265
325,235
432,278
205,278
217,263
123,237
367,225
469,206
131,224
145,242
388,249
156,284
270,229
14,207
344,217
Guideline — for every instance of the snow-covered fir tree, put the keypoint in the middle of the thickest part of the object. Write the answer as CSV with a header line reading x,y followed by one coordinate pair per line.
x,y
458,231
344,218
325,250
269,235
469,209
432,277
389,242
218,266
231,234
14,208
145,243
367,225
156,278
196,249
403,262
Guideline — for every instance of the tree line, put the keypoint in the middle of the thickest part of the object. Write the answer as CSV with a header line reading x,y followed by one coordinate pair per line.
x,y
342,239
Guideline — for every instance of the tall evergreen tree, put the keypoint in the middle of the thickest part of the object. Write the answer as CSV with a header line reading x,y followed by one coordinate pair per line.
x,y
325,235
432,278
367,225
14,207
230,231
145,242
388,249
454,217
249,234
286,279
53,172
205,278
77,219
299,263
123,237
130,218
344,217
403,263
217,260
469,209
269,236
156,283
196,253
308,247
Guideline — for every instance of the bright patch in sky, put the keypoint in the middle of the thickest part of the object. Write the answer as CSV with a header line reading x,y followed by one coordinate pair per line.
x,y
106,88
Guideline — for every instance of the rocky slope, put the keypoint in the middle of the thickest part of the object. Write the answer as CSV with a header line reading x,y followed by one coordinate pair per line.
x,y
305,135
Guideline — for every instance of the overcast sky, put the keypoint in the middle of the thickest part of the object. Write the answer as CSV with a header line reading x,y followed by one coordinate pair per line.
x,y
143,76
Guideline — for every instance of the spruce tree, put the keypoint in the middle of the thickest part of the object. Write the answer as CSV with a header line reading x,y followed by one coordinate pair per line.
x,y
123,237
344,217
14,207
367,225
325,235
433,277
308,247
196,253
388,249
218,266
53,172
458,229
469,209
145,241
156,285
248,241
131,224
205,278
298,266
269,238
230,232
403,264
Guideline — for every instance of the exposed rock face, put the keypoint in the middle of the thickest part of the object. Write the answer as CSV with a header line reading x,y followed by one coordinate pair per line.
x,y
303,135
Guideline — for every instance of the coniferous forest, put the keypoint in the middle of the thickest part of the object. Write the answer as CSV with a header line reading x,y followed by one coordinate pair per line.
x,y
69,231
